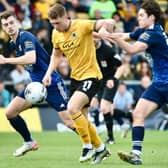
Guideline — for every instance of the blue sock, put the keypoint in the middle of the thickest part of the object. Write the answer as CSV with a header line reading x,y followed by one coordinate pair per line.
x,y
137,138
20,126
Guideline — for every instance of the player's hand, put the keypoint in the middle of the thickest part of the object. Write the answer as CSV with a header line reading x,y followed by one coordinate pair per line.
x,y
104,34
47,80
115,36
2,59
110,84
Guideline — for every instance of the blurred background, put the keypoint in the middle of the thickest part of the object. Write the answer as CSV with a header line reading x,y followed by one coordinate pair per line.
x,y
32,16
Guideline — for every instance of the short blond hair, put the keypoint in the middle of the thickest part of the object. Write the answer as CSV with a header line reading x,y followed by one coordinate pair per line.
x,y
57,10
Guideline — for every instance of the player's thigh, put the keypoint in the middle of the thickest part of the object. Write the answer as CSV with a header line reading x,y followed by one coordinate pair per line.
x,y
77,101
57,97
17,105
84,91
143,108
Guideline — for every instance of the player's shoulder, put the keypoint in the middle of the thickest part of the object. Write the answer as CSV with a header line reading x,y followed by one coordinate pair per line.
x,y
82,21
155,29
25,34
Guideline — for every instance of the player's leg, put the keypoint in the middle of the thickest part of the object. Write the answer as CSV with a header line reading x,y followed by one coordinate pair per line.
x,y
67,120
151,99
143,109
17,105
77,101
101,152
105,108
81,97
58,99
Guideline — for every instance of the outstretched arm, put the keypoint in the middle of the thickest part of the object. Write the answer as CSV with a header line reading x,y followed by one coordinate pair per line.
x,y
28,58
104,27
131,49
107,24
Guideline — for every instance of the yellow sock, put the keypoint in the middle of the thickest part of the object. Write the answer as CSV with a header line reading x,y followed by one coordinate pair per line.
x,y
81,125
95,139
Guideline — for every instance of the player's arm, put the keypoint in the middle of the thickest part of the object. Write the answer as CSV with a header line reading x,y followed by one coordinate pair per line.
x,y
119,72
54,62
105,24
131,49
104,27
124,36
110,83
28,58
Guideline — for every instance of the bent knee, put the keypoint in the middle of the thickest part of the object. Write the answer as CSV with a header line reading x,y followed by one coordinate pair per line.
x,y
138,117
10,114
72,110
104,110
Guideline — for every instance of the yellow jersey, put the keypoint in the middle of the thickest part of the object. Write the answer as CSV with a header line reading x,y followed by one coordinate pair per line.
x,y
78,46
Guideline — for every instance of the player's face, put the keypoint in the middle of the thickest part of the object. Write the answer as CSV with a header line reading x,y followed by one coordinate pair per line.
x,y
60,24
9,25
143,19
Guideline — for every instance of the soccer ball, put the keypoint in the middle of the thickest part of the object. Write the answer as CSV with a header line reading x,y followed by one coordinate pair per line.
x,y
35,92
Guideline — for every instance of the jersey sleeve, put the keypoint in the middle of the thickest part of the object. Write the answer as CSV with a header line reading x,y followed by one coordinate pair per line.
x,y
54,39
149,38
88,25
135,35
28,42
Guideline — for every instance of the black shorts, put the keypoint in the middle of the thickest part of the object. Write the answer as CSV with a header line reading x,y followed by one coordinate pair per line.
x,y
88,86
107,93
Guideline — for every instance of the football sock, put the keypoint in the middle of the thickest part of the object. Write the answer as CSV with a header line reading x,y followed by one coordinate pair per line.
x,y
95,139
108,118
81,125
137,138
20,126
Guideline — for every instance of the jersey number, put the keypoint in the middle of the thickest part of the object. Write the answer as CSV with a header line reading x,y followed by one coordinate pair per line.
x,y
86,85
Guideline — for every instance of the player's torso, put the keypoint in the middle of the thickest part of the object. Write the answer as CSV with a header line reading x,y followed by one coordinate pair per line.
x,y
157,52
77,45
22,45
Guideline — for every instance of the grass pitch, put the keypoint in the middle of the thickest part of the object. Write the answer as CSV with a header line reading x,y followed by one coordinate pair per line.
x,y
62,150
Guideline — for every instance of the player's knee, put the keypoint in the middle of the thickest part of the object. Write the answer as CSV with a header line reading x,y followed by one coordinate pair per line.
x,y
72,110
104,110
10,113
138,117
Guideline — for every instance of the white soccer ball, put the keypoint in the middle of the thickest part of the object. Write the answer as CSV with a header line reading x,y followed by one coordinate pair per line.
x,y
35,92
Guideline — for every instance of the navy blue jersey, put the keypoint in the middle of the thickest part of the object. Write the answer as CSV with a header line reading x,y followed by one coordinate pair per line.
x,y
157,51
27,42
57,95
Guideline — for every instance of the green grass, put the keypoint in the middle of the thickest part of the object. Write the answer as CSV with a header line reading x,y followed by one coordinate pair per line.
x,y
62,150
